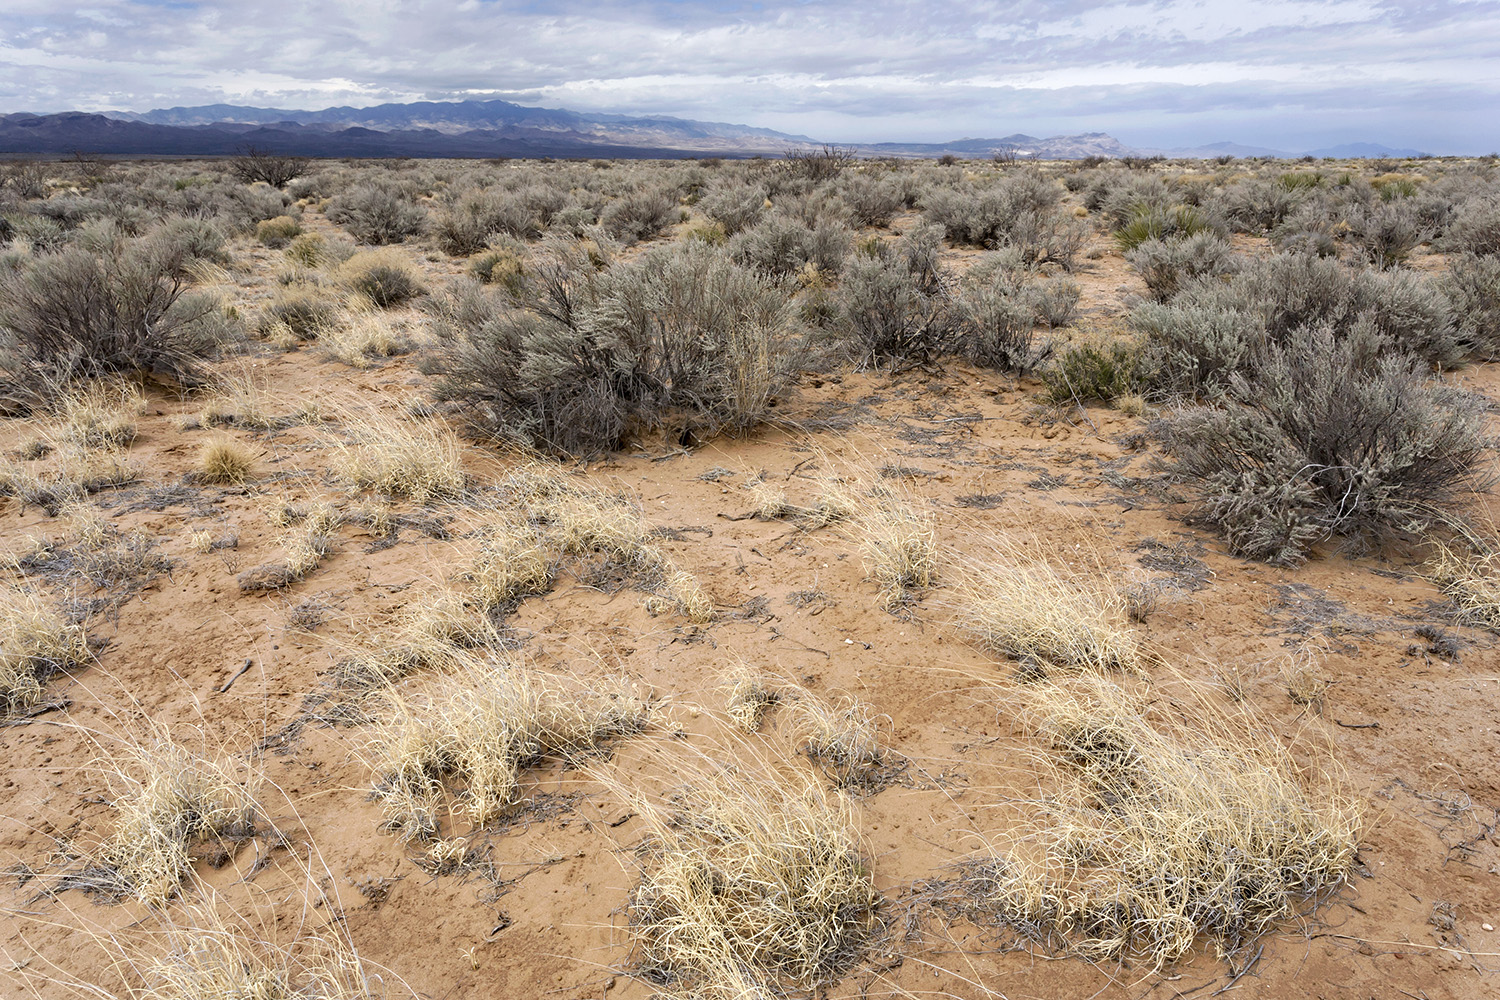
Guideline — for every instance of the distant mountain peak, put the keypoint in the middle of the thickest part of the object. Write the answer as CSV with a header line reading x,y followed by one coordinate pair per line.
x,y
496,127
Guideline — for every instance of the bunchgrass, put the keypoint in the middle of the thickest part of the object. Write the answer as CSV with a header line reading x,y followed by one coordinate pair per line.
x,y
206,948
1031,610
845,736
510,562
167,798
748,696
365,338
36,641
310,539
681,594
895,533
1167,824
752,882
431,633
103,415
399,458
225,461
464,740
1471,580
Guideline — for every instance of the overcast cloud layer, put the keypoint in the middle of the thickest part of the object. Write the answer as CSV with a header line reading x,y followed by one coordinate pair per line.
x,y
1285,73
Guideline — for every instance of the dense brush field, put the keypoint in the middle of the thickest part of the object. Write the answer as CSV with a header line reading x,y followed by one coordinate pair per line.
x,y
749,579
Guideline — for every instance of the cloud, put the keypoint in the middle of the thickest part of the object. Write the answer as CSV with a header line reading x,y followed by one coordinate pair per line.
x,y
1177,71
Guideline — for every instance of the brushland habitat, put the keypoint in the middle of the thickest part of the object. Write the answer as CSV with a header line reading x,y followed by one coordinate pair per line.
x,y
762,578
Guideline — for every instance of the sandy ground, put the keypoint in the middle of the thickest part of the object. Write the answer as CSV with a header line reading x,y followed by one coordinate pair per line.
x,y
1414,727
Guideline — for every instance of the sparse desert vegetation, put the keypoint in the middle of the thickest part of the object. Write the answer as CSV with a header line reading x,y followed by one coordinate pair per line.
x,y
748,578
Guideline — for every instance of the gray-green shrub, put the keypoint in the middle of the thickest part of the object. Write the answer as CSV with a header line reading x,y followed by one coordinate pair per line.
x,y
1321,441
598,350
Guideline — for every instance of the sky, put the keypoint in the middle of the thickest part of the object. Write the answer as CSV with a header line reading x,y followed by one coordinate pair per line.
x,y
1289,74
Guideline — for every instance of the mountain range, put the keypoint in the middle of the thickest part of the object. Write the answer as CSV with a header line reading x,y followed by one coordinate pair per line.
x,y
500,128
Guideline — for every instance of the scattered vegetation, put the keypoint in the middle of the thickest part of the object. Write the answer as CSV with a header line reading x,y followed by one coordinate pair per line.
x,y
751,881
36,641
476,728
1167,827
1032,611
168,798
399,458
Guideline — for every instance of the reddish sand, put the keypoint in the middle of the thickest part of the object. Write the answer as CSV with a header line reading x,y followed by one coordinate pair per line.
x,y
1416,732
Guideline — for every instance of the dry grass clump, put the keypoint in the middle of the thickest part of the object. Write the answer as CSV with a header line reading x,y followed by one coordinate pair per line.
x,y
383,277
1030,610
593,521
680,592
168,798
243,401
66,473
897,538
1472,582
222,963
365,338
510,563
748,696
476,728
1304,684
431,633
579,517
278,232
309,250
308,538
206,950
101,416
307,542
36,641
768,499
301,310
224,460
752,884
1164,830
845,736
398,458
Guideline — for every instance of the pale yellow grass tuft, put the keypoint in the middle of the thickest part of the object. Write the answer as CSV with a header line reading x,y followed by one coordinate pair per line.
x,y
102,415
1472,582
846,735
681,593
1165,826
66,473
511,562
752,881
477,727
168,798
87,521
581,518
310,539
35,641
226,962
225,461
895,534
1031,610
399,458
242,399
748,696
1304,684
768,499
366,337
432,632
